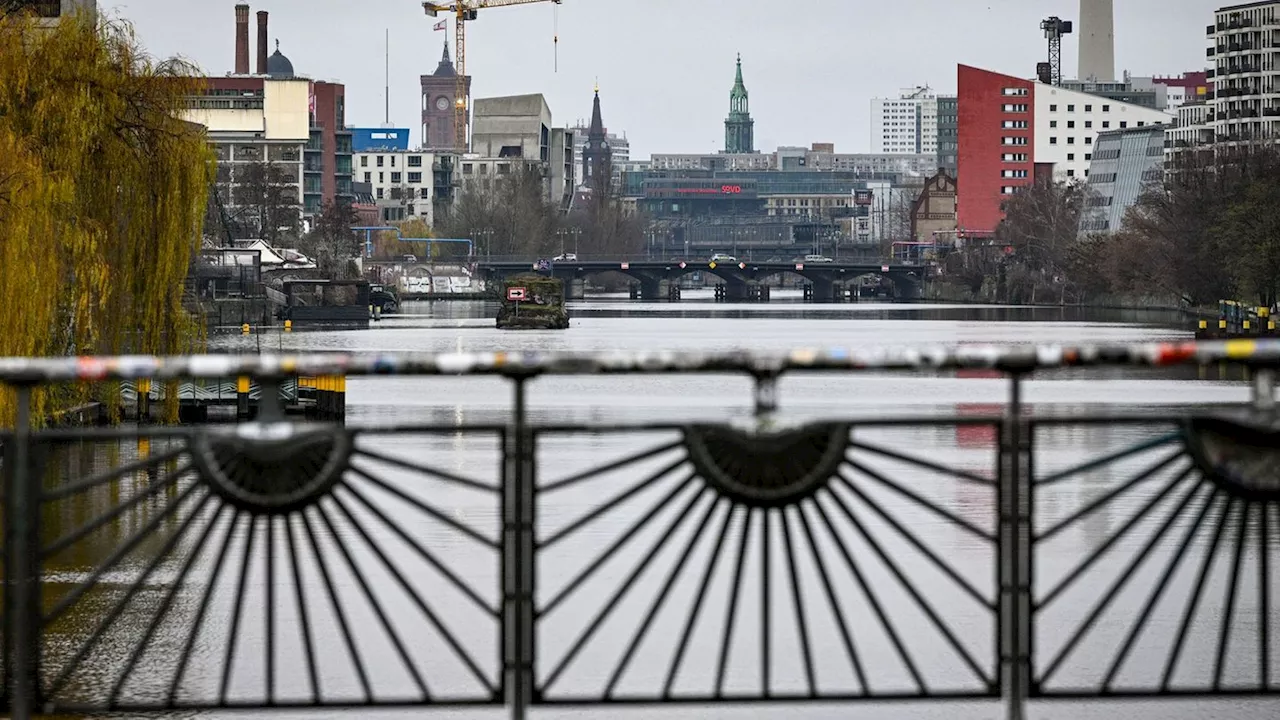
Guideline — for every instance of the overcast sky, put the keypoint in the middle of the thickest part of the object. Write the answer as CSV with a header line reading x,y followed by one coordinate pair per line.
x,y
665,67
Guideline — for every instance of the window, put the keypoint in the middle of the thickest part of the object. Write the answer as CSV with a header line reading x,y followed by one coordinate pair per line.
x,y
1089,141
395,178
425,193
1014,157
1106,124
378,193
1014,108
1014,91
381,178
1106,108
1013,141
364,161
1088,156
1088,108
1071,108
1014,124
1053,108
1123,124
415,178
1053,140
393,161
466,168
1007,190
1141,123
415,161
1071,156
1071,140
379,161
1013,173
1071,124
368,177
1071,173
1088,123
1053,123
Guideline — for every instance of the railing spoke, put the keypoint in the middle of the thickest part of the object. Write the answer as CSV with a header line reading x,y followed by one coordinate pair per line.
x,y
713,560
915,497
836,608
1194,604
726,637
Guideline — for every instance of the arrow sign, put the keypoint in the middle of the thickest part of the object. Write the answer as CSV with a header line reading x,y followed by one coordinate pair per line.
x,y
884,268
626,266
799,266
516,293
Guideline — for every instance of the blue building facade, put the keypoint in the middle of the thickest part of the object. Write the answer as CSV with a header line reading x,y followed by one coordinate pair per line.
x,y
379,139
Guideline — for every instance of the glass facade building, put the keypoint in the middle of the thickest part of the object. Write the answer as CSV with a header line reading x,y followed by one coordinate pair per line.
x,y
1124,164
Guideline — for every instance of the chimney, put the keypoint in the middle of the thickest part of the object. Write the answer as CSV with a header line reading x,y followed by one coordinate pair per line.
x,y
242,39
262,42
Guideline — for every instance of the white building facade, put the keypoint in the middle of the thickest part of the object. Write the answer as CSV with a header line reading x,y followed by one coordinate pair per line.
x,y
1244,56
1067,122
399,179
906,125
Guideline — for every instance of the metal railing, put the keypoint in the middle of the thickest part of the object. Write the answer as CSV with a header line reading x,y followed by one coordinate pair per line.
x,y
276,564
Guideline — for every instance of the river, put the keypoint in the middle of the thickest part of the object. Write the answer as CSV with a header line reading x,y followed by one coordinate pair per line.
x,y
605,324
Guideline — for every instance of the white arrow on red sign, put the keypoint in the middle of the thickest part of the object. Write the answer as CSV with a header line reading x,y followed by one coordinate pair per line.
x,y
516,293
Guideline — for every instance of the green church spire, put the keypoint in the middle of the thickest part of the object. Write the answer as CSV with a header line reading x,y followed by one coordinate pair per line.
x,y
739,128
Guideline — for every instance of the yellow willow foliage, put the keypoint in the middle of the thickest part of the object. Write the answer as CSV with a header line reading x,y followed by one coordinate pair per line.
x,y
102,194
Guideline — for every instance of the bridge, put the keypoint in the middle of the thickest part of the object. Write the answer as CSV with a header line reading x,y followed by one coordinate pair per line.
x,y
741,280
509,558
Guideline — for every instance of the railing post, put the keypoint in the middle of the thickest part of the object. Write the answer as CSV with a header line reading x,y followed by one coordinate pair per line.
x,y
1015,555
1264,389
518,556
22,567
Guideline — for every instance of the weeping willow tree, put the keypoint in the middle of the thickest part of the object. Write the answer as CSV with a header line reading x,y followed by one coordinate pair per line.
x,y
102,193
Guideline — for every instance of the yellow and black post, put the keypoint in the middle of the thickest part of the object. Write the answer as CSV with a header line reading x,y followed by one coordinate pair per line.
x,y
242,397
143,404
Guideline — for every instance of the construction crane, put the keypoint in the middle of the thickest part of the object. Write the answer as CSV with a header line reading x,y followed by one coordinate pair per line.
x,y
1054,28
464,10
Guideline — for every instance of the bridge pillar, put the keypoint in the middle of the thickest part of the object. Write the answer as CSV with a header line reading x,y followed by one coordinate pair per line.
x,y
823,290
651,289
906,289
575,289
733,290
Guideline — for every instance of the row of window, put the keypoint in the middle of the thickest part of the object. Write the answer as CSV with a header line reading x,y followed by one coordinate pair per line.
x,y
1008,92
413,161
1087,108
1106,124
1053,140
395,194
1014,124
1019,108
415,178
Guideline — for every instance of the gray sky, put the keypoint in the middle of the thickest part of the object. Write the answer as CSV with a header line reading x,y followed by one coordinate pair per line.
x,y
665,66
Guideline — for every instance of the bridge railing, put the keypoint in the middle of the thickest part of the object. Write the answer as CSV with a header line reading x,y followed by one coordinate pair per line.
x,y
517,557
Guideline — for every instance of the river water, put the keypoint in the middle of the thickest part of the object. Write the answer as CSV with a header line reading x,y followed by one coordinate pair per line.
x,y
604,324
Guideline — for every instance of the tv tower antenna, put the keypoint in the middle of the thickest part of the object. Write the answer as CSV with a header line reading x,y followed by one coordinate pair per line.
x,y
1054,28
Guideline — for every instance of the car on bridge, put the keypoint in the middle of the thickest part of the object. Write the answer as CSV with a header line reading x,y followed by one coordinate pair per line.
x,y
817,259
565,257
722,258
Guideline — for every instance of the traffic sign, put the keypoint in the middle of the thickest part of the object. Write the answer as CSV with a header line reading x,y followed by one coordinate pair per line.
x,y
884,268
799,266
516,293
626,266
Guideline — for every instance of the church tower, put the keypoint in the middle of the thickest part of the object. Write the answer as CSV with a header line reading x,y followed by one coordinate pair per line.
x,y
597,157
739,128
438,91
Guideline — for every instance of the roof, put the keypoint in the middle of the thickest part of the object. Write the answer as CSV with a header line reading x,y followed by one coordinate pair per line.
x,y
278,65
445,68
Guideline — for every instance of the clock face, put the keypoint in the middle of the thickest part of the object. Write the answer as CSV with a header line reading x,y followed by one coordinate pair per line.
x,y
442,103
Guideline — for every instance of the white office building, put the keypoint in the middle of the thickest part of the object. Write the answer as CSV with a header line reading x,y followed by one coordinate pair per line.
x,y
402,181
906,125
1068,121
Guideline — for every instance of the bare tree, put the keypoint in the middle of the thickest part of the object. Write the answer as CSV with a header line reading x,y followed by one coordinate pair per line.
x,y
269,197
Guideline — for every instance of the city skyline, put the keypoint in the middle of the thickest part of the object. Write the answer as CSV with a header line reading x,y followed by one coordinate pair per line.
x,y
672,96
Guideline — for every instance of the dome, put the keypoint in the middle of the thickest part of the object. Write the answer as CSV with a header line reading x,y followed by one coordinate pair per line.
x,y
278,65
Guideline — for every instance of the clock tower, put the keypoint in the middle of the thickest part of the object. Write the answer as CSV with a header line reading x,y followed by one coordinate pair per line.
x,y
438,98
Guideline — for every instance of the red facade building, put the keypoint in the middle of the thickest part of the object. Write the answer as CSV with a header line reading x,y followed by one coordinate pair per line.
x,y
996,133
